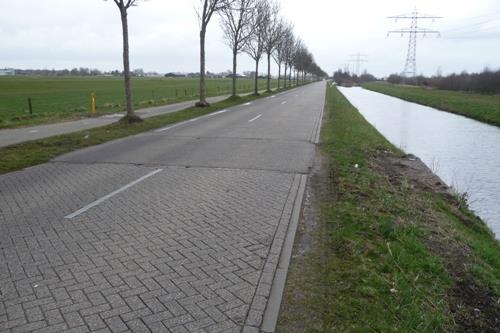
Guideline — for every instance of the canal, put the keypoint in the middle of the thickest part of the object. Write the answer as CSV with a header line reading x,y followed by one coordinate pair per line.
x,y
465,153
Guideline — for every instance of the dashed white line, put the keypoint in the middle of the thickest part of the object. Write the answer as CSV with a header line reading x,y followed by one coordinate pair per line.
x,y
283,103
169,127
247,104
255,118
112,194
33,131
216,113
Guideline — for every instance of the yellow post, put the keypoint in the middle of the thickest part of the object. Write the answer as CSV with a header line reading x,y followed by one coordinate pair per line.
x,y
92,104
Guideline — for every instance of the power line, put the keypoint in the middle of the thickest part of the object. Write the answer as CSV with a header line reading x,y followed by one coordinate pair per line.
x,y
358,58
413,31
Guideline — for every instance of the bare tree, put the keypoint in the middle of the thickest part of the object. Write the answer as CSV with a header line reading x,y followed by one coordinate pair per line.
x,y
254,46
288,53
272,35
123,6
236,24
205,13
279,53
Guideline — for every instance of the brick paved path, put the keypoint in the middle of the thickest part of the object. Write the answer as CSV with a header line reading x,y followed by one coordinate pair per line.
x,y
197,253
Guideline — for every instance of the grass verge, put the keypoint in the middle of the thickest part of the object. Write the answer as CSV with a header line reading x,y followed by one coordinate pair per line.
x,y
388,248
485,108
31,153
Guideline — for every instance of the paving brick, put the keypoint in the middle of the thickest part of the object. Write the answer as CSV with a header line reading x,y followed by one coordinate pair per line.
x,y
116,324
183,251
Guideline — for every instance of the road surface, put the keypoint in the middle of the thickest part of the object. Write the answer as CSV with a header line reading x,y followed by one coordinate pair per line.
x,y
187,228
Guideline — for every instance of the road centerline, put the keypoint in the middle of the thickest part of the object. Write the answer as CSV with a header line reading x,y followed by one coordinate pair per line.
x,y
112,194
255,118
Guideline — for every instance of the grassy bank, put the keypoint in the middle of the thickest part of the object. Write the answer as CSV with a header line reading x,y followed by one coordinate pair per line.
x,y
485,108
31,153
385,247
62,98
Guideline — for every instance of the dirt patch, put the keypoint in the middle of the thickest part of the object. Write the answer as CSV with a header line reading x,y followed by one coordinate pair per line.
x,y
411,169
475,307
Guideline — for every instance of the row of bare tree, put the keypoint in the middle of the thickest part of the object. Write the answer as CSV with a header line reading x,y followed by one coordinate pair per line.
x,y
254,27
486,82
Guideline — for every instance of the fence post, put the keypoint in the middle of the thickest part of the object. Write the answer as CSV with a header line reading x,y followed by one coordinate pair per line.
x,y
30,106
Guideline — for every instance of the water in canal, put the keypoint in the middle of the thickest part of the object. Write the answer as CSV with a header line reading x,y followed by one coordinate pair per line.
x,y
465,153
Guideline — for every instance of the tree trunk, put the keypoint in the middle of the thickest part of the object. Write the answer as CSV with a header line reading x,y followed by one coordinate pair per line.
x,y
235,59
279,75
256,87
130,116
203,88
285,76
269,72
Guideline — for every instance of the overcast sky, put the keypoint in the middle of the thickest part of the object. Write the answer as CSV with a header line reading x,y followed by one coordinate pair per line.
x,y
164,35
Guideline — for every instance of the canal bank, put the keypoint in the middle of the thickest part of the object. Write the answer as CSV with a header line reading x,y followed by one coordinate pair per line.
x,y
384,246
462,151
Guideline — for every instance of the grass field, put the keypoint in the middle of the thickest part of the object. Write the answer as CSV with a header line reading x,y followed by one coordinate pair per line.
x,y
485,108
62,98
388,252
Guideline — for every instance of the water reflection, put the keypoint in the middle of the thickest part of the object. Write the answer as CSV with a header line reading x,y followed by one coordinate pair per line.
x,y
463,152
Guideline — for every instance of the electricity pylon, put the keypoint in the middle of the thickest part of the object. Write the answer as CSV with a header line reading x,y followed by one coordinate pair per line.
x,y
414,30
358,59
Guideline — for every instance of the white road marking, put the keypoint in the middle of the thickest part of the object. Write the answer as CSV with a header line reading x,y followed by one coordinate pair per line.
x,y
112,194
247,104
169,127
296,95
284,102
33,131
189,121
216,113
272,96
255,118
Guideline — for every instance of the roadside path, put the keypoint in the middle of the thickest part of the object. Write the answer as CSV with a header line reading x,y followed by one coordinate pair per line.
x,y
188,228
18,135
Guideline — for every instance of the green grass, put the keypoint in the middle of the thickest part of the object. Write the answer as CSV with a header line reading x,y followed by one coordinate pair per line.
x,y
485,108
31,153
380,259
61,98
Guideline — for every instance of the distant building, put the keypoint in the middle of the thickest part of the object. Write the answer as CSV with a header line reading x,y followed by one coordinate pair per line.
x,y
175,75
7,71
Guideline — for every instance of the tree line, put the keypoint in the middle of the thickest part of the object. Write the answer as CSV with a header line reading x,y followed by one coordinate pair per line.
x,y
254,27
82,71
345,78
485,82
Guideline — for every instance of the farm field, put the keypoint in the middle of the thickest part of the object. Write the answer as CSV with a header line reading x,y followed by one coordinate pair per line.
x,y
65,98
485,108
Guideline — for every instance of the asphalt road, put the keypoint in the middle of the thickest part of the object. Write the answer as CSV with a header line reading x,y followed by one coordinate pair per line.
x,y
188,228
